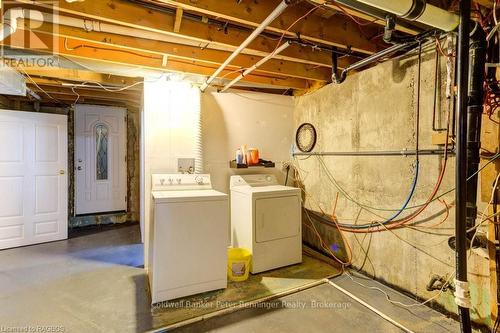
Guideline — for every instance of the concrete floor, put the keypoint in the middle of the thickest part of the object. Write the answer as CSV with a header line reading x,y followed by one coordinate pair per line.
x,y
93,282
328,310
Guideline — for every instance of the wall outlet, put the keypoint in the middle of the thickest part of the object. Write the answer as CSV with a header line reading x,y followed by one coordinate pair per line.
x,y
185,165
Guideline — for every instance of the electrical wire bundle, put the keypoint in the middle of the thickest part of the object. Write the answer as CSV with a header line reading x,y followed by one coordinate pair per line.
x,y
392,222
492,101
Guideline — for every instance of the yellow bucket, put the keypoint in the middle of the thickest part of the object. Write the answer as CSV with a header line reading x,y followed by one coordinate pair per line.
x,y
238,264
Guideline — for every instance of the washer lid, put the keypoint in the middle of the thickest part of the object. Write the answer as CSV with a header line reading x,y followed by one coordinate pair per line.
x,y
188,196
267,190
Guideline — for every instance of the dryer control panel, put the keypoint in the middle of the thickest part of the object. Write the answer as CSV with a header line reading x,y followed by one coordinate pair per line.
x,y
178,182
254,180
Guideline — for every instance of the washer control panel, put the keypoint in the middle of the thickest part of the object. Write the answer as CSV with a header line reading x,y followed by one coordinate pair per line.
x,y
254,180
176,182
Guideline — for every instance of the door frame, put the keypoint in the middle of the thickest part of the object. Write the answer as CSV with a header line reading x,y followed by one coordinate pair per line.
x,y
123,146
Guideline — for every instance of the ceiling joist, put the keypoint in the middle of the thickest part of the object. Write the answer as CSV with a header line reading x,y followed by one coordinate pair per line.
x,y
192,53
337,30
113,55
136,16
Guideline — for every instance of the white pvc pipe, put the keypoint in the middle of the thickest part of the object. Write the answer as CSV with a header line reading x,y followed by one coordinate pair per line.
x,y
432,16
257,65
275,13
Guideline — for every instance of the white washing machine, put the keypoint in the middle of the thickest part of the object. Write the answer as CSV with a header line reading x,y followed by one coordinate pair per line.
x,y
188,237
266,219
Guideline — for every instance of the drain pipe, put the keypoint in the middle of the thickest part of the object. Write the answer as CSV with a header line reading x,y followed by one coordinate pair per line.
x,y
417,10
462,295
477,61
409,10
368,60
274,14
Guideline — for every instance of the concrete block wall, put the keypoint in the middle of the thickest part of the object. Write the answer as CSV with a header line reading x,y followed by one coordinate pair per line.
x,y
375,110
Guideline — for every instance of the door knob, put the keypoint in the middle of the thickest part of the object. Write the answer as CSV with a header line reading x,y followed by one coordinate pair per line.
x,y
79,168
62,172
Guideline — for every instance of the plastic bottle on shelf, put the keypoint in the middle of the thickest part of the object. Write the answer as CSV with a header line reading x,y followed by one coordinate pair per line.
x,y
239,156
244,153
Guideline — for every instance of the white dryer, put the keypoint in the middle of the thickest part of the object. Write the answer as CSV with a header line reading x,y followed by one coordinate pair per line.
x,y
266,220
187,242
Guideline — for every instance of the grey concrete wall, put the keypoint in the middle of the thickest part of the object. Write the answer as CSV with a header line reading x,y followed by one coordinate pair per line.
x,y
375,110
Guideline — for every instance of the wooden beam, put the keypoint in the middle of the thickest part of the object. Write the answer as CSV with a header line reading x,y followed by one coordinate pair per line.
x,y
178,19
77,75
113,55
84,92
139,17
337,30
187,52
57,79
313,88
68,99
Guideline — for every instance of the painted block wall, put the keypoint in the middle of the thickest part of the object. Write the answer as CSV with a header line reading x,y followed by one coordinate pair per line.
x,y
375,110
228,121
231,119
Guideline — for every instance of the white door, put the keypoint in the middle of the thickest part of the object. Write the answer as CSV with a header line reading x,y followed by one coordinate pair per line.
x,y
33,178
100,159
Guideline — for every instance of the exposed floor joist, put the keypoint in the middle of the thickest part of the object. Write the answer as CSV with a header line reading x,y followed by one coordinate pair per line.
x,y
187,52
113,55
58,75
337,30
135,16
88,93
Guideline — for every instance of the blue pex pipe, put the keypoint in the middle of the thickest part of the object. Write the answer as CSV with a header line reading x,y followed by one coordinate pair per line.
x,y
410,195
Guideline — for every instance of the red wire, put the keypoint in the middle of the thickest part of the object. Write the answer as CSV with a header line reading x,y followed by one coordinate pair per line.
x,y
294,23
401,222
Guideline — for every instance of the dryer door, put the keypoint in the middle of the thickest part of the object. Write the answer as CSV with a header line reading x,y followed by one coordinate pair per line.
x,y
277,218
